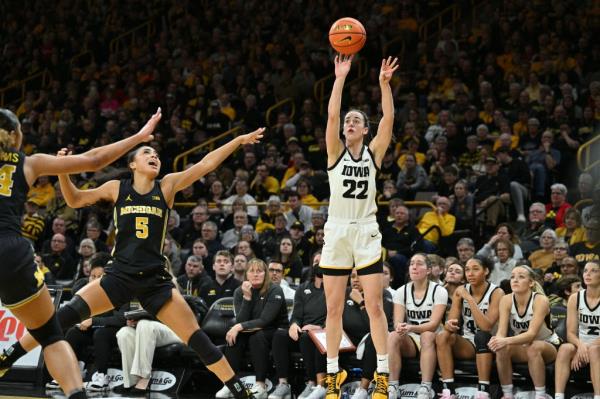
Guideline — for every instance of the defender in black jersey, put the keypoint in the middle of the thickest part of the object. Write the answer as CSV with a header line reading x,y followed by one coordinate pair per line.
x,y
141,213
22,288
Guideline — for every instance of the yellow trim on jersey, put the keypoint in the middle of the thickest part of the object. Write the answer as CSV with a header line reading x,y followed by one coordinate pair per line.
x,y
164,232
368,264
24,301
112,253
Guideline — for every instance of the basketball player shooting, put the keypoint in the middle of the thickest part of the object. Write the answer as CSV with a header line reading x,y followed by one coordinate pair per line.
x,y
352,237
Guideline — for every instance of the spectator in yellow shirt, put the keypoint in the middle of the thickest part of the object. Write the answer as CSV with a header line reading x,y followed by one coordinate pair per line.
x,y
42,191
266,220
572,231
264,185
440,218
412,146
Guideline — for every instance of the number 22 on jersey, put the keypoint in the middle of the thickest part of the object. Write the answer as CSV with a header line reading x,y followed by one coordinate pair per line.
x,y
6,179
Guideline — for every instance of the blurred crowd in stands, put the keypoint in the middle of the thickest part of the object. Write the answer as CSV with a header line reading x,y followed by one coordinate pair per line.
x,y
490,115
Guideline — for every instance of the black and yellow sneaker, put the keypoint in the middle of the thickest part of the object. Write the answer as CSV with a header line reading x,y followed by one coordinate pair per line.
x,y
5,363
381,385
333,382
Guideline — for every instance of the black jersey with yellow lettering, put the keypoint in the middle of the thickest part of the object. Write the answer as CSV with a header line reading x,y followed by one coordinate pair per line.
x,y
13,190
141,225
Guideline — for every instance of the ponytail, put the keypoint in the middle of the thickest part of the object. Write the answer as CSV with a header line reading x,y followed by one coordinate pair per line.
x,y
537,287
8,124
5,140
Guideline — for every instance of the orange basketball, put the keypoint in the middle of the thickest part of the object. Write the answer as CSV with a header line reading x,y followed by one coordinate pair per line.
x,y
347,36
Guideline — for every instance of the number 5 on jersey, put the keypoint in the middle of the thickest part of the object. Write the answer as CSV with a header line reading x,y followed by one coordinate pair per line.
x,y
6,179
141,227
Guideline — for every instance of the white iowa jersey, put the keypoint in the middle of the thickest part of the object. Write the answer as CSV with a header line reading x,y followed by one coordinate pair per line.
x,y
352,186
589,319
520,323
420,312
470,327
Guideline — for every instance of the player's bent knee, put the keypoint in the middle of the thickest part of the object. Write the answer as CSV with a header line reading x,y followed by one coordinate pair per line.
x,y
394,339
49,333
534,350
566,349
482,338
427,340
75,311
442,338
203,346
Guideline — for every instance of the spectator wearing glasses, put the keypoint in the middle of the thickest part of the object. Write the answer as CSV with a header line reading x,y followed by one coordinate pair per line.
x,y
59,226
542,258
558,206
560,252
572,231
276,274
58,261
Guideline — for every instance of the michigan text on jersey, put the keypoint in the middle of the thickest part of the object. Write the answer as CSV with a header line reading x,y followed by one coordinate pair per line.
x,y
152,210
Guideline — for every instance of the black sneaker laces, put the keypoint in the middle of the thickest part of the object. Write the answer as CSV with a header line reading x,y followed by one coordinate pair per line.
x,y
330,381
380,384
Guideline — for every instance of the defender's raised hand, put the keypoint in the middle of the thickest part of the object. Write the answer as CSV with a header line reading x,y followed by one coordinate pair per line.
x,y
253,137
146,131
